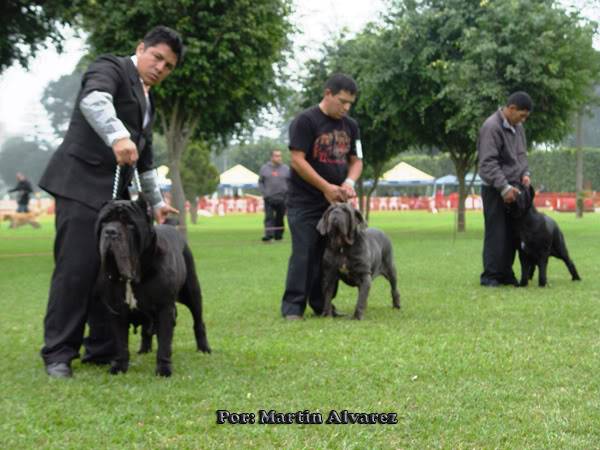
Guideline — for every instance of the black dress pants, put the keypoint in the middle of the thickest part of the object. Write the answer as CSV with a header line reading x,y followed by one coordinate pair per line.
x,y
303,282
77,262
274,213
500,243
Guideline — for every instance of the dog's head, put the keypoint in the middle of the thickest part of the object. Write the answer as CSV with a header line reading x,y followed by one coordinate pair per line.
x,y
341,223
124,231
524,202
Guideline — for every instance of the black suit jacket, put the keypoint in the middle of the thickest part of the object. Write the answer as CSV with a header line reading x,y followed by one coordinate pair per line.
x,y
83,166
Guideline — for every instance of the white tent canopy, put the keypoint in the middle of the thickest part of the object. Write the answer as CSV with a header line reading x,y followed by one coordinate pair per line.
x,y
238,176
403,174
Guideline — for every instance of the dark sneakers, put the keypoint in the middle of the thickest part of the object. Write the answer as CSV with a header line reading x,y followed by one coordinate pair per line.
x,y
59,370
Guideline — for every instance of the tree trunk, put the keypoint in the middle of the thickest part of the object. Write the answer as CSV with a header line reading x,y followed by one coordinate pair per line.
x,y
194,210
462,163
579,167
177,134
461,171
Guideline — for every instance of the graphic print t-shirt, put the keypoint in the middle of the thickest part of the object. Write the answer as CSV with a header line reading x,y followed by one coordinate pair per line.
x,y
327,144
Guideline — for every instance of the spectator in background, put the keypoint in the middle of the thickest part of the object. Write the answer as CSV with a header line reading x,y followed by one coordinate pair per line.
x,y
24,189
272,182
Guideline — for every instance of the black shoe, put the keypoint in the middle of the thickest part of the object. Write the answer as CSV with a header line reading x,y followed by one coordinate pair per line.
x,y
278,238
96,360
510,282
490,283
293,317
266,238
59,370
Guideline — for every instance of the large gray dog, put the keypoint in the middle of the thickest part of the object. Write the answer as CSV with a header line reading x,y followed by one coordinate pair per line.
x,y
144,270
356,254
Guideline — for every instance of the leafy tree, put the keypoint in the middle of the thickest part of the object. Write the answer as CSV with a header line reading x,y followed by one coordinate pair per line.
x,y
26,26
253,154
59,100
469,55
381,121
198,175
235,53
20,155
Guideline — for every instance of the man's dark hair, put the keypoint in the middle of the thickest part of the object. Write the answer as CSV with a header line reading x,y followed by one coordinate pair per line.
x,y
340,82
521,100
165,35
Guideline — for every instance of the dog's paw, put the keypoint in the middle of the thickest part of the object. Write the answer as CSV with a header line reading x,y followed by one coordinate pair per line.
x,y
117,368
164,370
357,316
204,347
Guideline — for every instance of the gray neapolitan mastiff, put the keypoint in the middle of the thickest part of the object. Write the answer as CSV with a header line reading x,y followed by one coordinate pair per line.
x,y
144,270
539,236
356,255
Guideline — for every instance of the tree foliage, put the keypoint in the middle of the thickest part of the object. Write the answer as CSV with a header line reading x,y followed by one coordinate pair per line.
x,y
471,54
235,52
26,26
253,154
198,175
59,100
383,133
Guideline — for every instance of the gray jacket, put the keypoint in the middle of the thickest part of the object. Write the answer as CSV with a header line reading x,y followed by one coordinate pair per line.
x,y
501,152
273,180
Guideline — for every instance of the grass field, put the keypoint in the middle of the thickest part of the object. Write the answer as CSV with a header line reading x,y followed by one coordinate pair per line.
x,y
462,366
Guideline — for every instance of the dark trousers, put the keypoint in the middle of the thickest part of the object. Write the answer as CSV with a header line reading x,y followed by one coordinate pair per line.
x,y
274,213
499,243
23,207
303,282
77,263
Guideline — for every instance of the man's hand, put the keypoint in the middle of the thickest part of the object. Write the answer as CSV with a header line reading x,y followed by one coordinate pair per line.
x,y
349,190
526,180
335,193
160,214
125,151
511,195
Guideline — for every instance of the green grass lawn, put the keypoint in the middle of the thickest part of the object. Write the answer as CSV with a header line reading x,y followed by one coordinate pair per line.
x,y
462,366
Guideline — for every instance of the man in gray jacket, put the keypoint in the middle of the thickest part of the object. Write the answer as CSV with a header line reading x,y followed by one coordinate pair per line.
x,y
272,181
502,156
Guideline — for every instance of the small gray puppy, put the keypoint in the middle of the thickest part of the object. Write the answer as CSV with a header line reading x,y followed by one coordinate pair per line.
x,y
356,254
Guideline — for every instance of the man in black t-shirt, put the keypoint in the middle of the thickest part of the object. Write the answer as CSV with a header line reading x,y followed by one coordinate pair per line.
x,y
326,161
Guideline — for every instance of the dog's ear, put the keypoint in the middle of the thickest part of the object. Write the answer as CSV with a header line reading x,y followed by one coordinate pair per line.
x,y
322,225
531,192
361,223
144,206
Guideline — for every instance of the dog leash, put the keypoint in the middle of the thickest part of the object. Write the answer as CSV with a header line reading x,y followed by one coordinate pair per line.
x,y
136,179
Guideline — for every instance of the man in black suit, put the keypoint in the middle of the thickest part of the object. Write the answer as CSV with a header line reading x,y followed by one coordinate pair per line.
x,y
111,125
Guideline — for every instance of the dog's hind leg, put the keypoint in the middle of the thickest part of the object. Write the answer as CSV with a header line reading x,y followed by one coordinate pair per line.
x,y
191,296
559,250
391,275
363,294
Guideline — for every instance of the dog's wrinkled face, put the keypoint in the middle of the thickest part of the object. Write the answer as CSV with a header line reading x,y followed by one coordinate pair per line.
x,y
340,223
124,230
